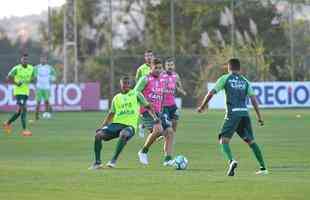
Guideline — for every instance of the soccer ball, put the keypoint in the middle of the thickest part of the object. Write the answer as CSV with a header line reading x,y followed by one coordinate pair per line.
x,y
180,162
46,115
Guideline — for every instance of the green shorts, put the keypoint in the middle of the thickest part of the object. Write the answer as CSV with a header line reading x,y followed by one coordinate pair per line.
x,y
42,95
21,100
148,121
240,124
172,112
114,129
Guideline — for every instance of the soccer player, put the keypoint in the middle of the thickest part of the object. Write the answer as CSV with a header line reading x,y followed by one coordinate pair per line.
x,y
173,83
142,71
237,118
152,87
20,75
45,75
121,122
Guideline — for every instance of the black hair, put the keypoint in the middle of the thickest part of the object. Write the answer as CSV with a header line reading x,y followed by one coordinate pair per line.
x,y
234,64
157,61
169,60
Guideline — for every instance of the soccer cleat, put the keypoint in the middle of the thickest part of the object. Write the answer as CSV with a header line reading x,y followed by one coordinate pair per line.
x,y
232,166
143,158
26,133
141,131
168,163
111,164
7,128
96,166
262,172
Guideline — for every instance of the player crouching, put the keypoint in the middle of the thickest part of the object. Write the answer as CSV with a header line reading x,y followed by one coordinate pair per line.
x,y
121,122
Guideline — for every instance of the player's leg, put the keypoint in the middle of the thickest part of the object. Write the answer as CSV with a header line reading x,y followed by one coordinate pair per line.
x,y
23,116
46,101
245,132
124,136
151,138
229,127
168,146
38,100
7,125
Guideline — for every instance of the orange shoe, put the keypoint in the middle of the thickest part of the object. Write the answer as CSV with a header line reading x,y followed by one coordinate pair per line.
x,y
26,133
7,128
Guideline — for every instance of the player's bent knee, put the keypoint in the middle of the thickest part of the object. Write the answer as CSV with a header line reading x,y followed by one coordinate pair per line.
x,y
248,141
126,134
224,140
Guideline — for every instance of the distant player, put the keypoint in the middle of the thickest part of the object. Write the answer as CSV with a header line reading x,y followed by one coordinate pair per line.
x,y
173,84
45,74
237,118
145,68
152,87
20,76
121,122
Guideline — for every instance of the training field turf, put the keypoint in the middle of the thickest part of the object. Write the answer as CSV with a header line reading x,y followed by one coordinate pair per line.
x,y
52,164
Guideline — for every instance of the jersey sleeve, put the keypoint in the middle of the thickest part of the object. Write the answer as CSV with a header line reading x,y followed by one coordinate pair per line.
x,y
35,71
13,72
138,74
220,83
250,91
141,84
142,100
113,107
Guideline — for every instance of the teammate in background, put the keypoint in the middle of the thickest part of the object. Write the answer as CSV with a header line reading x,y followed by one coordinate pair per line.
x,y
145,68
121,122
45,74
173,83
152,87
142,71
20,75
237,118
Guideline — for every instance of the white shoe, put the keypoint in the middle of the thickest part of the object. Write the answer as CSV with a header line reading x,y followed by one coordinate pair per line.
x,y
169,163
160,138
111,164
141,131
262,172
143,158
232,166
95,166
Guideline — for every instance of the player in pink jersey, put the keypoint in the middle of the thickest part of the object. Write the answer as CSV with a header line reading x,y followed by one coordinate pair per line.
x,y
173,84
152,87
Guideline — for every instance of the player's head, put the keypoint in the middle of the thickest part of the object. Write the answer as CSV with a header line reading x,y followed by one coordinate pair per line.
x,y
24,59
156,67
169,65
234,65
148,56
43,59
125,83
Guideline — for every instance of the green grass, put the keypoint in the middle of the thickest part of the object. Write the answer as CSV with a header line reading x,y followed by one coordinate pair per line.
x,y
52,164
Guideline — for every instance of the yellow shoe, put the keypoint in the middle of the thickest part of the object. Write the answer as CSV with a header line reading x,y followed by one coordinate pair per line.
x,y
26,133
7,128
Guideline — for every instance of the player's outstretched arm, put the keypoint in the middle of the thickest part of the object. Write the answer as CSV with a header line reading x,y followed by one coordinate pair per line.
x,y
180,85
205,101
256,108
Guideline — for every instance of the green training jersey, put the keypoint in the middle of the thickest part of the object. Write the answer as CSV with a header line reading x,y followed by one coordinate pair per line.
x,y
23,76
126,108
142,71
236,88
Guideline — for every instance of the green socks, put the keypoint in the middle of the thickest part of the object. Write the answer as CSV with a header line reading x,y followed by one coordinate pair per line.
x,y
167,158
145,150
14,117
226,151
258,155
119,147
98,147
23,119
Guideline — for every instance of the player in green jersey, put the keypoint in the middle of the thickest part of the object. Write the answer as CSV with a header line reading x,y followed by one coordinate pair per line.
x,y
142,71
121,122
237,89
21,75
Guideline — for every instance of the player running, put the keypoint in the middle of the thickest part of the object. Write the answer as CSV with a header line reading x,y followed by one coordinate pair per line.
x,y
45,74
237,118
142,71
121,122
152,87
20,76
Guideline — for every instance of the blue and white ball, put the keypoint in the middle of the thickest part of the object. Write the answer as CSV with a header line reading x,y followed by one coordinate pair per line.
x,y
180,162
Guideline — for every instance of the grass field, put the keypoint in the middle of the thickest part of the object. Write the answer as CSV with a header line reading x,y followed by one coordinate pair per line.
x,y
52,164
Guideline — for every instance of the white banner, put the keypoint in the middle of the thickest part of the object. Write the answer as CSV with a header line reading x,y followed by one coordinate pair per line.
x,y
272,95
